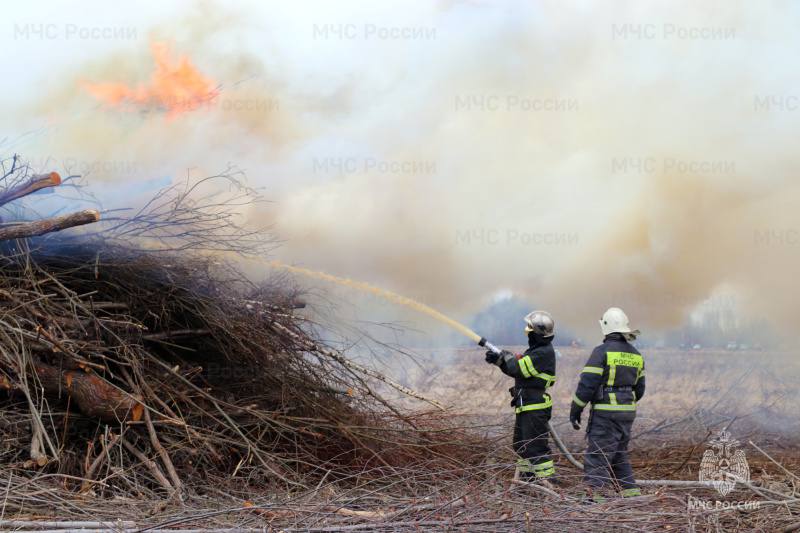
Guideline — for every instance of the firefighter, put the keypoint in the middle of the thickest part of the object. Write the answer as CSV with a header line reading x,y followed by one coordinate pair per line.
x,y
613,381
533,372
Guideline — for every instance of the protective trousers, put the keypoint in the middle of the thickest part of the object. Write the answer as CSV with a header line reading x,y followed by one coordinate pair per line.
x,y
606,461
531,444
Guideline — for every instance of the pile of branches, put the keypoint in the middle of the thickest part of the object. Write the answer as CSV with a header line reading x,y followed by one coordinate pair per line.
x,y
133,362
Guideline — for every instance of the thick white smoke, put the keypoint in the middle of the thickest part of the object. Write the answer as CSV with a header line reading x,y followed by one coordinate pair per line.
x,y
581,155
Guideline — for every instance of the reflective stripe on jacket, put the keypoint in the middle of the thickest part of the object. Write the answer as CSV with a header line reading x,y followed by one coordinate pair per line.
x,y
534,371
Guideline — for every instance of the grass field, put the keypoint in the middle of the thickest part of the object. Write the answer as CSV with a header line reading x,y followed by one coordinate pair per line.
x,y
761,389
690,397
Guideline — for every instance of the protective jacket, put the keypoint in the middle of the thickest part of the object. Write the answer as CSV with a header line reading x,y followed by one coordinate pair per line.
x,y
613,379
534,372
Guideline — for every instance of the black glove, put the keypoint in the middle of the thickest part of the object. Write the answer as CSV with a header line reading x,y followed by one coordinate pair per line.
x,y
575,415
495,358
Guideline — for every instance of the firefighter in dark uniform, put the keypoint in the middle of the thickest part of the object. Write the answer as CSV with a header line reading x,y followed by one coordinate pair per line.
x,y
534,372
613,381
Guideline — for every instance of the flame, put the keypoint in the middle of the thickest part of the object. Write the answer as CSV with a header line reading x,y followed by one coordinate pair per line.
x,y
176,86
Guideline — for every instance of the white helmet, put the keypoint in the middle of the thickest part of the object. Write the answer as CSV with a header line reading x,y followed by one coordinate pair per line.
x,y
616,321
540,322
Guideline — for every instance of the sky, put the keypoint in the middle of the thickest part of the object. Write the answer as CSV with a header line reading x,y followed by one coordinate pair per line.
x,y
575,154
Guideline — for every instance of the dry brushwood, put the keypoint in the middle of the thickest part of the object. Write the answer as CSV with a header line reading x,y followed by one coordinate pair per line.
x,y
134,362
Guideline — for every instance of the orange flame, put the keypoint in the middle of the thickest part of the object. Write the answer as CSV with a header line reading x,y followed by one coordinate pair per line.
x,y
176,86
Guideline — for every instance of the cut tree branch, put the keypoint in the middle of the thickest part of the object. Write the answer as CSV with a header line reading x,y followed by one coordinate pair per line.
x,y
36,182
93,395
48,225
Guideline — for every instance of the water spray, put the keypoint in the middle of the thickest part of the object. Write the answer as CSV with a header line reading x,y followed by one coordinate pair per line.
x,y
461,328
392,297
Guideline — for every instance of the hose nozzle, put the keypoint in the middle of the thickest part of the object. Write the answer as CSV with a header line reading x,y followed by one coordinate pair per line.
x,y
489,345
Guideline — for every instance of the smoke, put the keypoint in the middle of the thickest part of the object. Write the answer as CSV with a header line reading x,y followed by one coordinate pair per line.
x,y
576,155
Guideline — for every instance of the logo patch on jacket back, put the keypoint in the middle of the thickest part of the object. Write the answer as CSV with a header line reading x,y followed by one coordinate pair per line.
x,y
624,359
